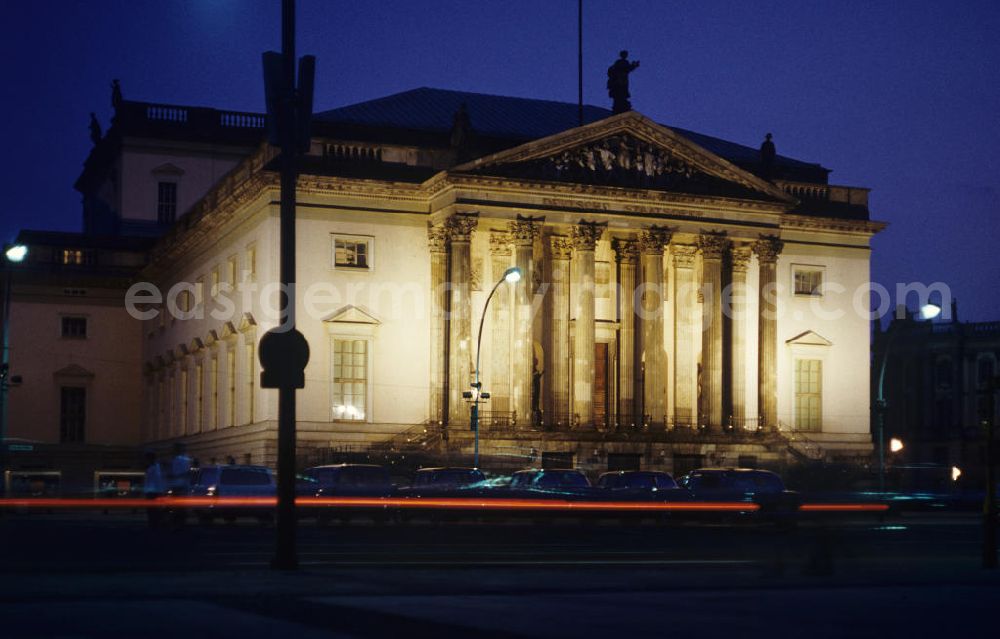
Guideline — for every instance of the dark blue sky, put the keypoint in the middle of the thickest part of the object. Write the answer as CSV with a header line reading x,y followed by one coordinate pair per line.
x,y
902,97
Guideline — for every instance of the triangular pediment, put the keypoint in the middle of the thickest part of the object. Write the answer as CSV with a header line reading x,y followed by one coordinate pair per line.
x,y
809,338
73,370
351,314
627,150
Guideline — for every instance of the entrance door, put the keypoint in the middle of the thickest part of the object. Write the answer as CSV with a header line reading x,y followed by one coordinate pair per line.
x,y
600,396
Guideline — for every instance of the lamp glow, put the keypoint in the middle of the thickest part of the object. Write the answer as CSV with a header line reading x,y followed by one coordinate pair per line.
x,y
929,311
17,253
895,444
956,472
512,275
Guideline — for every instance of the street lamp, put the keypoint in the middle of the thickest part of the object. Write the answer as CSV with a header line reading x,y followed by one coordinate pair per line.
x,y
511,276
13,255
928,312
895,445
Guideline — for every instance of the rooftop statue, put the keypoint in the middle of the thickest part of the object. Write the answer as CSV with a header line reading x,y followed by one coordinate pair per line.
x,y
95,129
618,82
767,155
116,94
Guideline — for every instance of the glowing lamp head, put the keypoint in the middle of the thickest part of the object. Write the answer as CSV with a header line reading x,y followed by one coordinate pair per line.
x,y
956,472
17,253
929,311
512,275
895,444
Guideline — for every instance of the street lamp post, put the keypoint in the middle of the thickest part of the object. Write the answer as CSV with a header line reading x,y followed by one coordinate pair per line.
x,y
12,255
511,275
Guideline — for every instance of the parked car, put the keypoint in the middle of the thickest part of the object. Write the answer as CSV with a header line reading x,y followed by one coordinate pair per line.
x,y
559,482
640,484
232,480
445,481
346,480
761,487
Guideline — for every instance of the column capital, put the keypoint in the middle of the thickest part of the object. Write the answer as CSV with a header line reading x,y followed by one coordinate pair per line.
x,y
460,227
653,239
683,255
561,247
524,230
437,238
740,256
626,250
500,243
712,244
768,247
586,234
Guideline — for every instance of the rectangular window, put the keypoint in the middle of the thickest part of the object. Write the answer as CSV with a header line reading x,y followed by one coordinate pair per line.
x,y
74,327
350,379
215,281
231,373
251,374
252,262
808,281
184,401
166,202
808,394
213,414
231,271
199,397
75,257
352,252
72,414
162,425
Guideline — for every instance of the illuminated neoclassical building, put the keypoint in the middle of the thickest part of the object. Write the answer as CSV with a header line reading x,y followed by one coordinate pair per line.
x,y
685,301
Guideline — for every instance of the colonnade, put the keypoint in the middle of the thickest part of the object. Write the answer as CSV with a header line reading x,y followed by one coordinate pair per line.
x,y
709,392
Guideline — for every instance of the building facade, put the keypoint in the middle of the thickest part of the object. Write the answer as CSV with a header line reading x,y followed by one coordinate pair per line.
x,y
684,301
937,398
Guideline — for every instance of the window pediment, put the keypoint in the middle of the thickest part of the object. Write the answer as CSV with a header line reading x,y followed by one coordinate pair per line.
x,y
809,338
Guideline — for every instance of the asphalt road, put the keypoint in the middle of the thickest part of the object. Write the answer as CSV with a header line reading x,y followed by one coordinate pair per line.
x,y
93,575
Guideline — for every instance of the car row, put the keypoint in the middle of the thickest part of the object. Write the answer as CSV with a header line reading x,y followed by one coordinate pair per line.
x,y
761,487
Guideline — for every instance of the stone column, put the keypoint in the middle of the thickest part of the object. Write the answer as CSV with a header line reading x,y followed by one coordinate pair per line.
x,y
523,233
437,241
500,347
767,249
654,395
585,236
685,298
557,353
740,257
712,246
460,346
629,406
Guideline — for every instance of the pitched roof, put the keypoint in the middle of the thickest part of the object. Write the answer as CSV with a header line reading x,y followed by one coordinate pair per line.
x,y
519,119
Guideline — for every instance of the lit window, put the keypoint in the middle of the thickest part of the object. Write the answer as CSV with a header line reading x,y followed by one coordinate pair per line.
x,y
74,327
184,401
72,414
352,252
251,265
808,281
166,202
350,379
73,257
215,281
213,413
199,397
231,373
231,271
251,378
808,394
